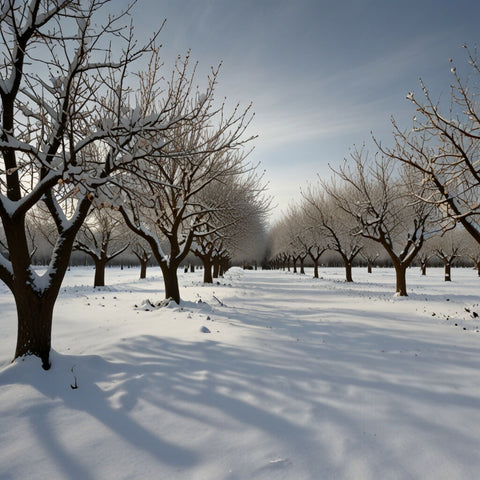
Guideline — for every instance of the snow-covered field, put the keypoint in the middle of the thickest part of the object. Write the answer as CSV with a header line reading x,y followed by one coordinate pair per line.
x,y
267,375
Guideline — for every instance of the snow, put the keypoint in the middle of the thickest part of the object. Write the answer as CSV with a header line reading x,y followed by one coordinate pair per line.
x,y
6,84
6,264
297,379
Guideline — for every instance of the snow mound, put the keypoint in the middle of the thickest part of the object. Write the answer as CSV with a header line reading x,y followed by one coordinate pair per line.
x,y
147,305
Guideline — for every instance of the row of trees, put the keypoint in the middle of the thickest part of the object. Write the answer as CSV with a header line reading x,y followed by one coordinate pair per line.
x,y
400,198
307,237
84,128
368,202
232,214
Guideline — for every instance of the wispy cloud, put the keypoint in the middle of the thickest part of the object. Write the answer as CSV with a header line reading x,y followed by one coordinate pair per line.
x,y
326,103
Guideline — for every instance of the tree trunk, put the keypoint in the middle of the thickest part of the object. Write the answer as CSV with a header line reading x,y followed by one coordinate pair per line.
x,y
223,267
294,265
35,303
35,313
315,268
216,268
143,269
192,268
369,267
302,266
99,279
448,272
348,272
170,280
401,279
423,268
207,270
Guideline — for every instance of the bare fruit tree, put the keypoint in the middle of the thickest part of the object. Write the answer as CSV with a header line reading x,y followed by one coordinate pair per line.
x,y
333,224
70,126
198,150
141,249
313,235
383,202
448,247
444,147
103,237
370,254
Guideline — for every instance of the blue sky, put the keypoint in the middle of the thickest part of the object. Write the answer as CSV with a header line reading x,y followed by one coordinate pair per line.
x,y
321,74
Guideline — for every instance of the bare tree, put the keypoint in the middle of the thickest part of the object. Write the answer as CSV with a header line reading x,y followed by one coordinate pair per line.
x,y
370,253
204,249
312,236
198,151
383,202
448,247
423,258
443,147
141,249
335,224
103,238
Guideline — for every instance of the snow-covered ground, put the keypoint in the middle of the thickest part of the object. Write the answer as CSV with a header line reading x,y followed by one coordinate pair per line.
x,y
267,375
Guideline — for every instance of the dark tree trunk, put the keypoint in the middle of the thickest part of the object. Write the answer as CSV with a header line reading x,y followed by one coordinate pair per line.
x,y
448,272
207,270
401,280
34,303
302,266
143,258
223,266
348,271
294,265
170,280
423,268
369,267
143,269
192,268
35,313
315,268
207,262
99,279
216,268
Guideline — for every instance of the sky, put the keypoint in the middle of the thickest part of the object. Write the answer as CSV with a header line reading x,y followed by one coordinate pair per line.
x,y
321,75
